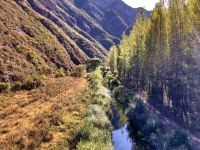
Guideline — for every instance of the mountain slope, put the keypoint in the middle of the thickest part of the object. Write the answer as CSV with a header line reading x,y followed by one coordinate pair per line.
x,y
113,15
26,43
41,36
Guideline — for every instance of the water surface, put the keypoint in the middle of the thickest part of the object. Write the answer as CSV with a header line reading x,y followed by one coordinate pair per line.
x,y
120,134
121,139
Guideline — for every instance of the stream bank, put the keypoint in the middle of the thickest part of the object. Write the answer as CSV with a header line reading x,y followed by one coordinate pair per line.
x,y
143,128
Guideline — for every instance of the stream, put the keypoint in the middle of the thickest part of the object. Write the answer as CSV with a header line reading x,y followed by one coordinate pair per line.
x,y
120,134
121,139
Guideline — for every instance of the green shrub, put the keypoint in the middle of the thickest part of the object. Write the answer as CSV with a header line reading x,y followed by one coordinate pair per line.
x,y
111,81
32,57
45,70
123,96
80,71
95,115
96,75
84,132
105,70
60,73
102,98
18,48
29,85
95,79
68,73
94,145
17,86
62,145
92,64
93,137
32,83
96,132
4,87
103,135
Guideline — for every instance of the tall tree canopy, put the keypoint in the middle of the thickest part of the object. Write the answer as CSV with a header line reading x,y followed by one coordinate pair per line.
x,y
161,58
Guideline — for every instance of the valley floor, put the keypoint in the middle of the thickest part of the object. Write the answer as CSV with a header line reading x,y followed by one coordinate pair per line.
x,y
41,118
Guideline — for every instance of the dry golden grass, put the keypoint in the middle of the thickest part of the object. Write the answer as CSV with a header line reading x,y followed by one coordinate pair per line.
x,y
26,45
41,118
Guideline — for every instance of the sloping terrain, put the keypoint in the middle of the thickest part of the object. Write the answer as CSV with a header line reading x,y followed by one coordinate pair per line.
x,y
26,45
41,118
113,15
169,124
21,35
31,43
40,37
194,138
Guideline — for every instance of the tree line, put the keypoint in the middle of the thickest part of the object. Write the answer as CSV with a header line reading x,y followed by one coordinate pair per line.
x,y
161,57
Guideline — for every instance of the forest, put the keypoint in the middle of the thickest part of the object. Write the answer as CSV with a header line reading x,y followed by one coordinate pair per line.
x,y
160,60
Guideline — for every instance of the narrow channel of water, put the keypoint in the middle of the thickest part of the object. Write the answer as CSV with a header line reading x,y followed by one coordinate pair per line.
x,y
121,139
120,134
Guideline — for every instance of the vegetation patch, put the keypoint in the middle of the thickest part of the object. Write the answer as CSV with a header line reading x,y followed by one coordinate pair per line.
x,y
92,64
80,71
32,83
4,87
150,133
45,70
32,57
60,73
95,133
45,118
123,96
17,86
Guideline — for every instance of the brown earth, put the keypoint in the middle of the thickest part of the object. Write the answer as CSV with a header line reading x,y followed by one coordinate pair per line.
x,y
43,117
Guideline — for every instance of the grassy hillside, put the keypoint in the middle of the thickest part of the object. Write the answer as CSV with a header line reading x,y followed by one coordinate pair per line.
x,y
26,45
32,44
41,37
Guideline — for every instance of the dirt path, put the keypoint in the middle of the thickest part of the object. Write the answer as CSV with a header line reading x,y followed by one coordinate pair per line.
x,y
169,124
22,112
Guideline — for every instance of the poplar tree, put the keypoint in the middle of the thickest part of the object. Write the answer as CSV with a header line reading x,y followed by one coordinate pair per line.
x,y
158,52
161,57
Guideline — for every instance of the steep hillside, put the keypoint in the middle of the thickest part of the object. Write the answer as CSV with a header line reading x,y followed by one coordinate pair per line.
x,y
26,43
113,15
31,43
40,37
58,11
